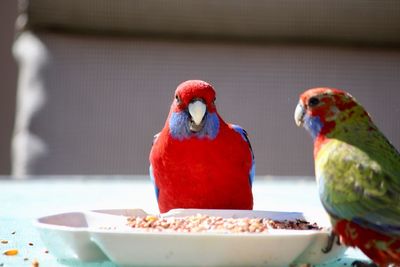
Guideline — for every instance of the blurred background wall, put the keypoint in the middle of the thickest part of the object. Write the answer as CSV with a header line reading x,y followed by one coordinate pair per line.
x,y
96,77
8,78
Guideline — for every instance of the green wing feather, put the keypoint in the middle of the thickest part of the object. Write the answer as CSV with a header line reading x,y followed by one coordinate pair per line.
x,y
359,177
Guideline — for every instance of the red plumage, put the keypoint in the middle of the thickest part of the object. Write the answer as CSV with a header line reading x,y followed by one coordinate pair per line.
x,y
382,249
195,172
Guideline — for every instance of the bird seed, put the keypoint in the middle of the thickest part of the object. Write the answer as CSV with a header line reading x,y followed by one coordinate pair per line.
x,y
204,223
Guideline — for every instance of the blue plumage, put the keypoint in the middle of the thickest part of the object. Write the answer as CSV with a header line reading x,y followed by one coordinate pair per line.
x,y
377,225
156,189
313,125
245,137
179,127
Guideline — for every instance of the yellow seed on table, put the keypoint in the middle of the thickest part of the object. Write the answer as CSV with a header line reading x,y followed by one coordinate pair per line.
x,y
151,218
11,252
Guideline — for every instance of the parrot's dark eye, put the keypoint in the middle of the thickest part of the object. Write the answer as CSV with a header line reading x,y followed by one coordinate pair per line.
x,y
178,100
313,101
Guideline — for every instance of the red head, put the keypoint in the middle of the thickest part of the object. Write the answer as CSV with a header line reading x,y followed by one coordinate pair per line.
x,y
320,109
192,90
193,111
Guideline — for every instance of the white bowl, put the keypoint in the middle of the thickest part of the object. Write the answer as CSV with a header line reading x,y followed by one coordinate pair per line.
x,y
101,234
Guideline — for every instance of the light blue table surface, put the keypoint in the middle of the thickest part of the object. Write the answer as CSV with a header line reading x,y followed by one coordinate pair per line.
x,y
21,201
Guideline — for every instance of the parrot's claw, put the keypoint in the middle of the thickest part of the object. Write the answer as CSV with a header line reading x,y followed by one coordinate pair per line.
x,y
363,264
331,240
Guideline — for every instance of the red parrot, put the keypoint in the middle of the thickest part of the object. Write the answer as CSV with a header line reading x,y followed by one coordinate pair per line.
x,y
198,160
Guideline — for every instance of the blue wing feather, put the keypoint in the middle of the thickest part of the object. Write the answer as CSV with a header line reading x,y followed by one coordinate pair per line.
x,y
156,189
245,137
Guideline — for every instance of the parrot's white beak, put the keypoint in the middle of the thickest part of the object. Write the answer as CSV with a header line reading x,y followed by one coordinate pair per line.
x,y
197,109
299,114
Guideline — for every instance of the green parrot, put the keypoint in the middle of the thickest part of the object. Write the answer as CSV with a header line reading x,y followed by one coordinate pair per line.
x,y
357,171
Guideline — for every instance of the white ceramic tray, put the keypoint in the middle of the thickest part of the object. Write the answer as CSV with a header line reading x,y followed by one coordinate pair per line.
x,y
81,236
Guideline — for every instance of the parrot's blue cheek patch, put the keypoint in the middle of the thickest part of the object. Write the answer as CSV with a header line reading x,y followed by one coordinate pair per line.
x,y
179,126
211,126
313,125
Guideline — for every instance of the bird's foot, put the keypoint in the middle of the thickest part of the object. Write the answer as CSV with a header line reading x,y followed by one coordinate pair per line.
x,y
363,264
331,240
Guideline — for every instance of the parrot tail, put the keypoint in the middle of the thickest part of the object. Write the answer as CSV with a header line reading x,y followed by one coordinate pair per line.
x,y
382,249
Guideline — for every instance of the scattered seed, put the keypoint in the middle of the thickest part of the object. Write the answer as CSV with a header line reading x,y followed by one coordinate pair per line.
x,y
35,263
4,241
11,252
26,259
13,233
30,244
46,251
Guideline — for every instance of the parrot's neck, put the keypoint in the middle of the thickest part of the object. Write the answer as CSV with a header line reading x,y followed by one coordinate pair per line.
x,y
319,141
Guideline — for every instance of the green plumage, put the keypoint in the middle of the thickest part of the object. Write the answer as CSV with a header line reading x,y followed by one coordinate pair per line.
x,y
359,172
